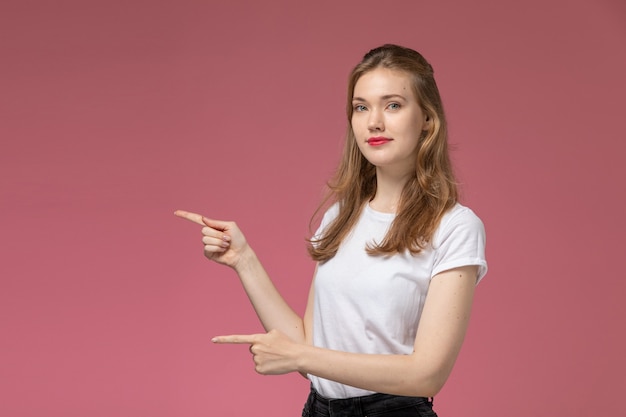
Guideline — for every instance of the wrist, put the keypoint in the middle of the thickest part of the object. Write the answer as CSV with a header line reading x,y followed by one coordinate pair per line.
x,y
301,359
247,259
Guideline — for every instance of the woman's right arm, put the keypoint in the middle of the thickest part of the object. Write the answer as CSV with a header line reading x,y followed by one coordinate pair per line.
x,y
224,243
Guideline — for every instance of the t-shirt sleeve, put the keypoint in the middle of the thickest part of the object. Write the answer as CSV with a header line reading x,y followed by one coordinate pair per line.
x,y
328,217
460,241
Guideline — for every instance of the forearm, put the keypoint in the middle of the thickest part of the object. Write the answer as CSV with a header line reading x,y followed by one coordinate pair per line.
x,y
224,243
409,375
439,338
440,334
271,308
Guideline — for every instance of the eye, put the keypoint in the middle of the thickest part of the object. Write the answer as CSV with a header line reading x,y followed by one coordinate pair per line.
x,y
393,106
359,108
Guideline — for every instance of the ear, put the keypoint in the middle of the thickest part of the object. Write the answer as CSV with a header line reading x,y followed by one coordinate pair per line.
x,y
428,122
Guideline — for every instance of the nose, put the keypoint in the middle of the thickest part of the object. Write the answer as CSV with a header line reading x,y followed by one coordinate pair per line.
x,y
375,121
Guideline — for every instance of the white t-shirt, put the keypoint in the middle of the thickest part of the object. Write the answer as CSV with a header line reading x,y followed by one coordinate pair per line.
x,y
372,304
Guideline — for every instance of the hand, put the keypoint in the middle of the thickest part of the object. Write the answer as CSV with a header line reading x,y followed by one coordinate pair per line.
x,y
273,352
223,241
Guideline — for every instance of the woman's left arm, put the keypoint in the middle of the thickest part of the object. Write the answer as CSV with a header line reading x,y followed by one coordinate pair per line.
x,y
422,373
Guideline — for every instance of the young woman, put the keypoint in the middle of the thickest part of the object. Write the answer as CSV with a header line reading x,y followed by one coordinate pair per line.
x,y
398,257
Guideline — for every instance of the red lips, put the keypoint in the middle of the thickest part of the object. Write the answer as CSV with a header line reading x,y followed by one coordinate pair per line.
x,y
377,141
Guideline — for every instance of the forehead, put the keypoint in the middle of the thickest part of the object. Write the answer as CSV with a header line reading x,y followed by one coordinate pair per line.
x,y
382,82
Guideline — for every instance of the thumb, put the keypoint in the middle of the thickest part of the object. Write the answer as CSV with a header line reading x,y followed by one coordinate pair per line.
x,y
215,224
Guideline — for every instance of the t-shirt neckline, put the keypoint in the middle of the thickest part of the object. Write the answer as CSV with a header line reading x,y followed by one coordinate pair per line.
x,y
378,214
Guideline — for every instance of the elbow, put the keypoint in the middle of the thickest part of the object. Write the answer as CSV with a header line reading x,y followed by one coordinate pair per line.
x,y
424,387
432,387
427,383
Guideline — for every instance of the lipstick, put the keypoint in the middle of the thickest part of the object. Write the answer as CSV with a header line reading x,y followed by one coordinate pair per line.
x,y
377,141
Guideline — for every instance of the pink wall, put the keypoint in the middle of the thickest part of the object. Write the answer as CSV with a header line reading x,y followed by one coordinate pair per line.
x,y
116,113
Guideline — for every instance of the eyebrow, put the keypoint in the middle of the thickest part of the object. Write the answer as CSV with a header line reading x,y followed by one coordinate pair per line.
x,y
385,97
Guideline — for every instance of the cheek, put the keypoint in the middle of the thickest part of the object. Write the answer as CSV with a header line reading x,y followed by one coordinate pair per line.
x,y
361,146
359,143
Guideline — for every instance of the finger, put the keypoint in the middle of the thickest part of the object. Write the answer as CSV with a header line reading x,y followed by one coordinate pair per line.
x,y
212,251
216,235
214,241
192,217
236,339
215,224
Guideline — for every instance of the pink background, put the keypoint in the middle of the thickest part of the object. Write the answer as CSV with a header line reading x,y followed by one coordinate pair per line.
x,y
116,113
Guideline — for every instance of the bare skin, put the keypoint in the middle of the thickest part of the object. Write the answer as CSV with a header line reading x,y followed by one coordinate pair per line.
x,y
286,347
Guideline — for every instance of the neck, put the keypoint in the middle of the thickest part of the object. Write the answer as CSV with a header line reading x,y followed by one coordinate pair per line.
x,y
389,188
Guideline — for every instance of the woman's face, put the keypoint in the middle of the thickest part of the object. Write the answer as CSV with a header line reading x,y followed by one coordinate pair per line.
x,y
387,120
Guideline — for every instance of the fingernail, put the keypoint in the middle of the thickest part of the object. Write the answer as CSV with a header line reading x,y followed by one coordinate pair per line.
x,y
214,340
226,238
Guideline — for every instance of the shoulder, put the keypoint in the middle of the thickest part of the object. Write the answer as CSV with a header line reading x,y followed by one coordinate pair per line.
x,y
461,216
460,240
329,215
459,224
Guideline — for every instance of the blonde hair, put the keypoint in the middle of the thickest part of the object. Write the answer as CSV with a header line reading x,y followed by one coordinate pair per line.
x,y
426,196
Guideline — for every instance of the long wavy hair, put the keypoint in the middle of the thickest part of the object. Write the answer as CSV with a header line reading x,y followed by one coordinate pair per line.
x,y
426,196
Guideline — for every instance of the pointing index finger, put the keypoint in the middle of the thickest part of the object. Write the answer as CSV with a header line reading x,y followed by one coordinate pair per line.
x,y
236,339
192,217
